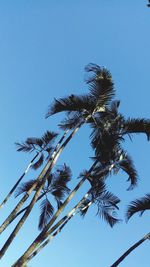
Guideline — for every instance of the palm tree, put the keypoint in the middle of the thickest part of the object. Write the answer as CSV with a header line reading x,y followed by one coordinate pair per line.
x,y
108,131
101,118
106,204
32,144
110,155
101,92
136,206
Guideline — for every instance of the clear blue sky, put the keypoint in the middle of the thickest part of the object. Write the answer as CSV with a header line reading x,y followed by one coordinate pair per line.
x,y
44,47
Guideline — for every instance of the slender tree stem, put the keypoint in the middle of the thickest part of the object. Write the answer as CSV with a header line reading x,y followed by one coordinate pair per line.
x,y
117,262
43,233
12,215
59,226
33,201
48,240
19,180
24,209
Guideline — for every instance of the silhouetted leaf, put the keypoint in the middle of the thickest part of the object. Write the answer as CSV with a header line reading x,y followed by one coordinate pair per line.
x,y
25,147
101,84
138,206
48,137
38,163
127,165
71,103
137,126
107,204
70,122
24,187
47,211
57,184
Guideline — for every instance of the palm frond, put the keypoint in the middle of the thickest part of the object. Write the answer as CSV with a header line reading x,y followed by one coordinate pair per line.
x,y
25,147
58,184
49,137
24,187
107,205
137,126
106,145
71,103
101,84
84,207
106,136
47,211
38,163
70,122
34,143
138,206
127,166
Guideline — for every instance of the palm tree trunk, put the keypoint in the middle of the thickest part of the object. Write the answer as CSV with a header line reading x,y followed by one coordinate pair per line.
x,y
12,215
27,169
45,232
106,168
48,240
24,209
19,180
60,225
116,263
47,171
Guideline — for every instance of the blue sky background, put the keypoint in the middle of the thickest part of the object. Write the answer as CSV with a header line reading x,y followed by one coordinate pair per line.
x,y
44,47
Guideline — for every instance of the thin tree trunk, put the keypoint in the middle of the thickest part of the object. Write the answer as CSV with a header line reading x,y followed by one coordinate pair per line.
x,y
28,167
109,168
60,225
12,215
47,241
43,233
116,263
19,180
26,214
24,209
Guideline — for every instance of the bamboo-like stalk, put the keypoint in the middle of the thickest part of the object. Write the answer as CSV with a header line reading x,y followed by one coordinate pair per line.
x,y
137,244
45,232
27,169
59,226
21,211
19,180
24,209
12,215
33,201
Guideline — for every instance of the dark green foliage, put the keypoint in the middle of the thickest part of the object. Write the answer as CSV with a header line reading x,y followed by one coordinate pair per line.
x,y
138,206
137,126
105,201
58,184
101,85
39,162
71,103
126,164
57,187
47,211
39,145
71,121
78,107
24,187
